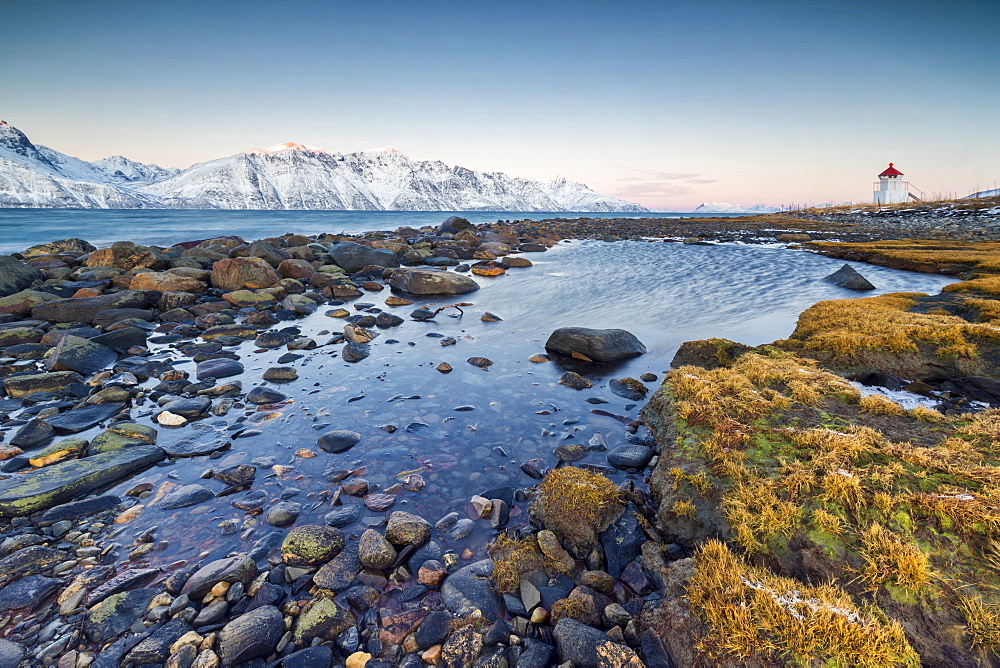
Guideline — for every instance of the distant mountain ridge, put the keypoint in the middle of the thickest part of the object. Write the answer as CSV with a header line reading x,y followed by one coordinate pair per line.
x,y
285,176
725,207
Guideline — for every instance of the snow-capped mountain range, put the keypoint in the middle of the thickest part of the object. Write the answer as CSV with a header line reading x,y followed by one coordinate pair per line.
x,y
286,176
724,207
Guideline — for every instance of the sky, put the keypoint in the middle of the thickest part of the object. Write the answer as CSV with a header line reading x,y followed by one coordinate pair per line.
x,y
668,104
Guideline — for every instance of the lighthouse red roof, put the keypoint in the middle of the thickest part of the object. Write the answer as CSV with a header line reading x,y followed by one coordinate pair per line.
x,y
892,171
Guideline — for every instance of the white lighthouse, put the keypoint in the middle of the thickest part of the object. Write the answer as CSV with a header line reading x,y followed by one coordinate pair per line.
x,y
890,189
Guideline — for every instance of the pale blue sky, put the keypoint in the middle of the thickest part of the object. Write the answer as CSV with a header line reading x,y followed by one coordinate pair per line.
x,y
665,103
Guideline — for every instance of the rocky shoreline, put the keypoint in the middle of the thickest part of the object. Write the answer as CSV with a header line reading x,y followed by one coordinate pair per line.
x,y
95,342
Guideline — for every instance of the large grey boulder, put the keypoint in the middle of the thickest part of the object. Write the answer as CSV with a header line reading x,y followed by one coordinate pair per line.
x,y
599,345
848,277
26,494
16,276
468,589
431,282
351,256
85,309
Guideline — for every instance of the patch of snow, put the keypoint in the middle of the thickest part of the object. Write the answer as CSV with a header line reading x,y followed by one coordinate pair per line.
x,y
908,400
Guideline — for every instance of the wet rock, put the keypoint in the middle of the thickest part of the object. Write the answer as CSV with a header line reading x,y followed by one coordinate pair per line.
x,y
252,635
273,339
648,377
283,513
338,574
353,257
324,620
310,545
379,503
55,484
218,368
535,654
185,496
587,647
407,529
622,541
124,581
202,442
27,592
469,589
281,374
34,432
462,648
115,614
444,367
16,276
11,654
265,395
189,408
342,516
430,282
433,630
320,656
240,568
628,388
156,648
599,345
24,385
385,320
848,277
21,303
374,551
630,456
79,419
355,352
481,362
338,440
74,353
123,435
575,381
243,272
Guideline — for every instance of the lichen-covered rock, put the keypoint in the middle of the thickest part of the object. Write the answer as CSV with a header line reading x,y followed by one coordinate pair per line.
x,y
324,620
311,544
127,255
243,272
165,281
407,529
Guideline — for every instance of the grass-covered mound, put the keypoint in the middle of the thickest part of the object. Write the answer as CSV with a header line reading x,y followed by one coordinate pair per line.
x,y
871,517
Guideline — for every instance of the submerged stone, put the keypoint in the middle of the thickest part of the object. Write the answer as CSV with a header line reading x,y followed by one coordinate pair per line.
x,y
28,493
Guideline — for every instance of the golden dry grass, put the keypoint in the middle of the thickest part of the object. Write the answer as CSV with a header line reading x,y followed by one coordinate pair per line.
x,y
576,504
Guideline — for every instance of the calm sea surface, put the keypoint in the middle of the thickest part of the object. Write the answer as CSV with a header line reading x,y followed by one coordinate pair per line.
x,y
468,431
20,228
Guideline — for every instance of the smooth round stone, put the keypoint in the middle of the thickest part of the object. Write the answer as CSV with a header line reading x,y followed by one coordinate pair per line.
x,y
338,440
340,517
188,408
283,513
630,456
219,368
168,419
265,395
355,352
185,496
251,500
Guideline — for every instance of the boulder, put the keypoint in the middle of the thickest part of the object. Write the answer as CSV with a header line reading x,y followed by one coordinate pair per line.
x,y
848,277
311,544
16,276
352,256
21,303
587,647
62,246
324,620
164,281
127,255
115,614
431,282
468,589
23,385
252,635
243,272
74,353
599,345
85,309
38,490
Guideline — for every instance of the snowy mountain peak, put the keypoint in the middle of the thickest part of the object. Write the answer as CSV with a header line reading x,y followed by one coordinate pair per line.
x,y
284,176
287,146
725,207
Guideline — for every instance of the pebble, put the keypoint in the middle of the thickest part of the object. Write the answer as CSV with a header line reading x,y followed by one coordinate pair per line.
x,y
283,513
168,419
